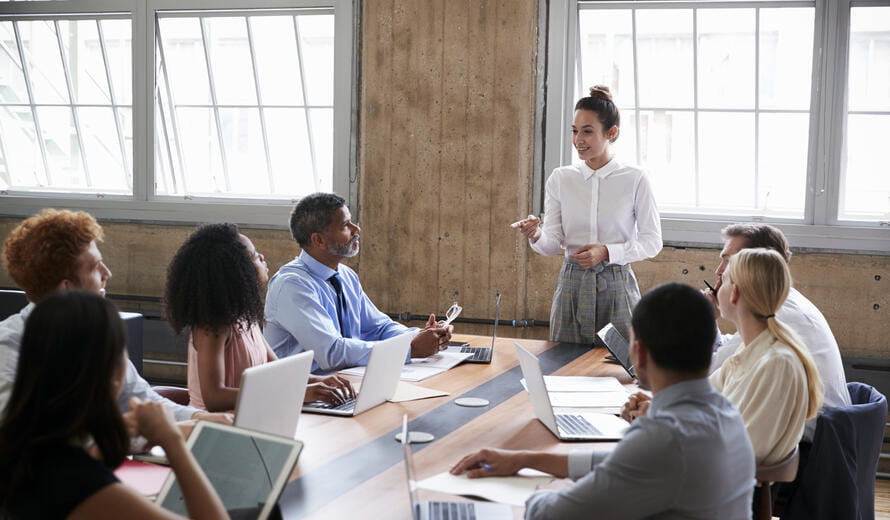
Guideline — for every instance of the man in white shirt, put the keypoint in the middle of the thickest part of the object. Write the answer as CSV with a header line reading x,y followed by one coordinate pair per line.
x,y
688,457
56,250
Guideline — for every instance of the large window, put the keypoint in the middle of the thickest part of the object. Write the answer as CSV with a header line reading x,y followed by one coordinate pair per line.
x,y
141,108
727,108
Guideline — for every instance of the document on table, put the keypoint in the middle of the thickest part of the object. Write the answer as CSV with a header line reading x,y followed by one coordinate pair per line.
x,y
588,399
582,384
604,393
421,368
506,490
408,392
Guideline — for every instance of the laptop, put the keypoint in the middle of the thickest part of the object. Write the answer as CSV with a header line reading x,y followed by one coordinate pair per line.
x,y
380,381
445,510
247,469
480,354
618,347
271,395
566,427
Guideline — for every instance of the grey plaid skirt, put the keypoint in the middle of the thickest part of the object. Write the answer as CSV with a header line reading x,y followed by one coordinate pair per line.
x,y
586,300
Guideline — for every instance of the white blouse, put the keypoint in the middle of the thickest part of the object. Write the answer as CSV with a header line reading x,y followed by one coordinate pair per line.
x,y
767,381
613,206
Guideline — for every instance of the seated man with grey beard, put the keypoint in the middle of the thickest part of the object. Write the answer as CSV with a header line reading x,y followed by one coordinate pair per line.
x,y
316,303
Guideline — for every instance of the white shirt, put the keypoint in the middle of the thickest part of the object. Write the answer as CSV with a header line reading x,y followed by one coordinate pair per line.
x,y
804,318
613,206
767,381
11,330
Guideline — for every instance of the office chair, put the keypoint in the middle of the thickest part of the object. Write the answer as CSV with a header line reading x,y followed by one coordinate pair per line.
x,y
783,471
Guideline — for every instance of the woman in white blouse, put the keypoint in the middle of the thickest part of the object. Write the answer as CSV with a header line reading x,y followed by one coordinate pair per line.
x,y
601,215
771,378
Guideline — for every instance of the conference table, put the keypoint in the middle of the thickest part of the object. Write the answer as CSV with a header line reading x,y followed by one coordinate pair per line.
x,y
353,467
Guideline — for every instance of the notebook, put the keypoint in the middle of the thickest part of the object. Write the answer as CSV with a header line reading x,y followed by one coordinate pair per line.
x,y
271,395
481,354
566,427
618,347
247,469
381,378
445,510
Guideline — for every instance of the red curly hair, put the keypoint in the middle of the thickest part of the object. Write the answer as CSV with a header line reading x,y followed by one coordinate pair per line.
x,y
42,250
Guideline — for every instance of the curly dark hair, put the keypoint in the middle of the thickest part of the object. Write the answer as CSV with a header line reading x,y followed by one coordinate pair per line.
x,y
212,282
313,215
72,347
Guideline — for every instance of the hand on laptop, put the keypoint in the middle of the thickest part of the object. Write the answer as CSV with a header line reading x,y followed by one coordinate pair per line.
x,y
636,406
330,389
431,339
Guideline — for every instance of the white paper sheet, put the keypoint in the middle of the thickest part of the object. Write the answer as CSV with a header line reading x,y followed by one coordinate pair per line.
x,y
506,490
583,384
588,399
408,392
421,368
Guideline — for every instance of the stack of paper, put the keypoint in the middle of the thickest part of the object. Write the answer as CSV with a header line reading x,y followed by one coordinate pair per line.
x,y
605,394
506,490
421,368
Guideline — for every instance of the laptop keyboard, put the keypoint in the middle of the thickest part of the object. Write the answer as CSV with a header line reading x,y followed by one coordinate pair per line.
x,y
479,353
450,511
575,425
348,405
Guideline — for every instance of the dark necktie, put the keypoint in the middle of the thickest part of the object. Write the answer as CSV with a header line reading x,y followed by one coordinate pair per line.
x,y
341,302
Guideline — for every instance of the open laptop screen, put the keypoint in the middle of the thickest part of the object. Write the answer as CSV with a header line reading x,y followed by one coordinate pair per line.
x,y
247,469
618,346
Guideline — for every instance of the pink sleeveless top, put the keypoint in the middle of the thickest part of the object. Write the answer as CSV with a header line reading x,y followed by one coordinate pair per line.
x,y
245,348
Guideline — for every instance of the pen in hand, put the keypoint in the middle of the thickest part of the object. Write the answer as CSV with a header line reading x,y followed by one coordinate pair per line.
x,y
710,288
485,466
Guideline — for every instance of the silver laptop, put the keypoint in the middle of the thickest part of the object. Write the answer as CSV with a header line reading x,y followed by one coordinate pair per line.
x,y
247,469
380,381
481,354
271,395
618,347
566,427
445,510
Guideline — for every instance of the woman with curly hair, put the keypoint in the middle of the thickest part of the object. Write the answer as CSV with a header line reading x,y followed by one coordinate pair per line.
x,y
63,434
213,288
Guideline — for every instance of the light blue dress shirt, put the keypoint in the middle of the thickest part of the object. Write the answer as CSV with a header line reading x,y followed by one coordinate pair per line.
x,y
689,457
301,314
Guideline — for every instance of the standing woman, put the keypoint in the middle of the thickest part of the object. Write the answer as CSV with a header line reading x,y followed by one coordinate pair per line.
x,y
214,285
63,433
603,214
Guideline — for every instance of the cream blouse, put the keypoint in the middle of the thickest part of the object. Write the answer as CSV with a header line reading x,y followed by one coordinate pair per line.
x,y
767,381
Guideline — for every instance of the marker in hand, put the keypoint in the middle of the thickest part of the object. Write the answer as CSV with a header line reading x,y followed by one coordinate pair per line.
x,y
519,222
485,466
710,288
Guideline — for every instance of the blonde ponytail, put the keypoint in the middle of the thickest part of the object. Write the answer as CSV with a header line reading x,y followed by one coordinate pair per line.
x,y
763,280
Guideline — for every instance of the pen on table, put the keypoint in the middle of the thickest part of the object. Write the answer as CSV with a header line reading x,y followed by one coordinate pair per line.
x,y
710,288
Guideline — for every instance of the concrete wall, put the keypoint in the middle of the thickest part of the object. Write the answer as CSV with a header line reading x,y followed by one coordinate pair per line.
x,y
446,162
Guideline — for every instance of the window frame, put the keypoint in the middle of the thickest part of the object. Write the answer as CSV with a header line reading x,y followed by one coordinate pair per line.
x,y
144,205
820,229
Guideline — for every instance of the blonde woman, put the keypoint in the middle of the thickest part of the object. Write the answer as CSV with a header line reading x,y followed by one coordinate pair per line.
x,y
771,378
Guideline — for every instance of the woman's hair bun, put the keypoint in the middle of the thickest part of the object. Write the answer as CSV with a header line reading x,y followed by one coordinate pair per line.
x,y
600,91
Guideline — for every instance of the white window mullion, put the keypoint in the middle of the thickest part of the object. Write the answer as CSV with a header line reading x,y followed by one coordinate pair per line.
x,y
114,106
66,69
142,52
216,116
259,98
177,168
38,131
309,131
695,106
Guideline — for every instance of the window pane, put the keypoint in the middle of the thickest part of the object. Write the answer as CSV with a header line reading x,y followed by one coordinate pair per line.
x,y
103,149
43,61
21,151
317,42
782,164
786,56
294,155
726,161
245,153
607,53
120,56
62,148
869,85
866,183
277,61
625,147
12,80
230,61
185,62
83,51
664,47
726,58
668,152
866,176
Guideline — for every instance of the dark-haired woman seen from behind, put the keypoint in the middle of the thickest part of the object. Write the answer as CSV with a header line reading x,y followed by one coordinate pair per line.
x,y
602,213
63,432
213,289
